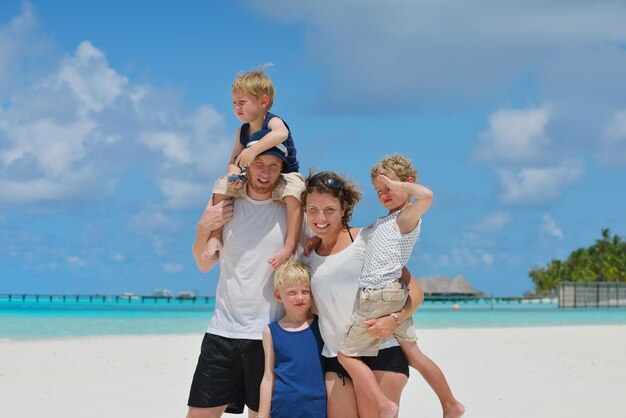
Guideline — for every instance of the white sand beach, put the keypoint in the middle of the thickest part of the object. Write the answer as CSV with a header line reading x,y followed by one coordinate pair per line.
x,y
506,372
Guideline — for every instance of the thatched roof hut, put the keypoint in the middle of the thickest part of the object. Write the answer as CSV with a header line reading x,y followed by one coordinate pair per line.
x,y
439,285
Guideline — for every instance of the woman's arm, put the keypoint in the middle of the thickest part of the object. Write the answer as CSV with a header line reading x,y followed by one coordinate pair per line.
x,y
267,383
415,299
385,326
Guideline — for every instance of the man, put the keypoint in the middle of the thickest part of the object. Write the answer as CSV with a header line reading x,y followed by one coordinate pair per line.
x,y
230,366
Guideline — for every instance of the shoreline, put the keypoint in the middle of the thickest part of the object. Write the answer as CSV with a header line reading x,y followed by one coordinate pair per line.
x,y
515,372
61,338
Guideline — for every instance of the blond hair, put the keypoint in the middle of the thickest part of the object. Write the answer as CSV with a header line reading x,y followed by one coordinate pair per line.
x,y
397,164
292,271
256,84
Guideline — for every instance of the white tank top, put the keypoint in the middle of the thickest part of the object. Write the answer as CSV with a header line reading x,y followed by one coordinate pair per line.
x,y
388,251
335,283
244,299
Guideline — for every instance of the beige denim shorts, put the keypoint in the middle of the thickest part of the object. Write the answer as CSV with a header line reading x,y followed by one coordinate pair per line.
x,y
376,303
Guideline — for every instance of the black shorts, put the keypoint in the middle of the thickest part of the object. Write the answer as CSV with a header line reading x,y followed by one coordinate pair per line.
x,y
229,372
388,360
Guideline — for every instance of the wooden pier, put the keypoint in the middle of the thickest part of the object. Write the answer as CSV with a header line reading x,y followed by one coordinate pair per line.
x,y
151,299
97,298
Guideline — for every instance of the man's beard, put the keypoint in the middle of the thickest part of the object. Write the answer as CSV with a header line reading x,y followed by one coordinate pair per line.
x,y
262,189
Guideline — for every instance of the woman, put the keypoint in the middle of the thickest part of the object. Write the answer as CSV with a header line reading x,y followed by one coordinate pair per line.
x,y
336,265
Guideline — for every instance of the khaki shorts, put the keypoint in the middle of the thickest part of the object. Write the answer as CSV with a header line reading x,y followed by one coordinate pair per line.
x,y
376,303
289,184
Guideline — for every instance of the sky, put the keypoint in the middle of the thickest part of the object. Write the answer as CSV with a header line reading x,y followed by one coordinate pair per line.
x,y
116,118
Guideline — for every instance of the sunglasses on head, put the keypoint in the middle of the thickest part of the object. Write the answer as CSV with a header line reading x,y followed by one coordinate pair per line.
x,y
330,182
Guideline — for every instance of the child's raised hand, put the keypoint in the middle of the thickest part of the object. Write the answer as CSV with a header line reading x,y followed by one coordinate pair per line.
x,y
393,185
245,158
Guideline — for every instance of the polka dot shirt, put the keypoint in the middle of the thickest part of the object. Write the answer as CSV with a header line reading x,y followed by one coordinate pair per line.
x,y
387,252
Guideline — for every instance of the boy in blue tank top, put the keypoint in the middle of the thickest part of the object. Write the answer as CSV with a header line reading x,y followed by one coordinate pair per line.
x,y
262,131
293,380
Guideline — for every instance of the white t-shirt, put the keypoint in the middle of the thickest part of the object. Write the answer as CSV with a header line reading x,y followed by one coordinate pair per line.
x,y
335,283
244,299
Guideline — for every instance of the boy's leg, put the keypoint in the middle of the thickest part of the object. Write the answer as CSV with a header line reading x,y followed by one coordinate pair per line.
x,y
434,377
295,215
365,382
221,192
214,243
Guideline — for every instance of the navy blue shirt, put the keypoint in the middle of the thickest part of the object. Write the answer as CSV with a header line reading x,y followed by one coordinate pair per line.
x,y
244,137
299,389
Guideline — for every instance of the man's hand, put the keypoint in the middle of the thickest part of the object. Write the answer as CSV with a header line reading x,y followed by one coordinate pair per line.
x,y
214,216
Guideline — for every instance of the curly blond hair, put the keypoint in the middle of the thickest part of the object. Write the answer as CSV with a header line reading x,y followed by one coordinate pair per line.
x,y
397,164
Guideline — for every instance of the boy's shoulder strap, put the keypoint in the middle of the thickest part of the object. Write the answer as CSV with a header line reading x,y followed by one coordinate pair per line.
x,y
243,134
272,325
268,117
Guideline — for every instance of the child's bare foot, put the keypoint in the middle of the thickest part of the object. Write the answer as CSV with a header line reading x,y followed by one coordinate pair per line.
x,y
279,258
389,411
213,245
455,410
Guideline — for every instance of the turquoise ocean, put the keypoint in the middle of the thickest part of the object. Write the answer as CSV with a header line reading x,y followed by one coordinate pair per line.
x,y
58,318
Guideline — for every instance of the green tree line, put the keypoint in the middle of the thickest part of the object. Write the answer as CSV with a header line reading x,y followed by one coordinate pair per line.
x,y
605,261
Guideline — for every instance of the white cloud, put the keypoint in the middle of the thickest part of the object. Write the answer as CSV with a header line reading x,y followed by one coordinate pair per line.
x,y
173,267
71,185
462,256
53,146
492,222
118,257
180,194
75,261
470,251
515,136
548,225
419,52
532,186
613,144
20,46
513,146
384,56
90,79
487,259
173,146
79,126
150,222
